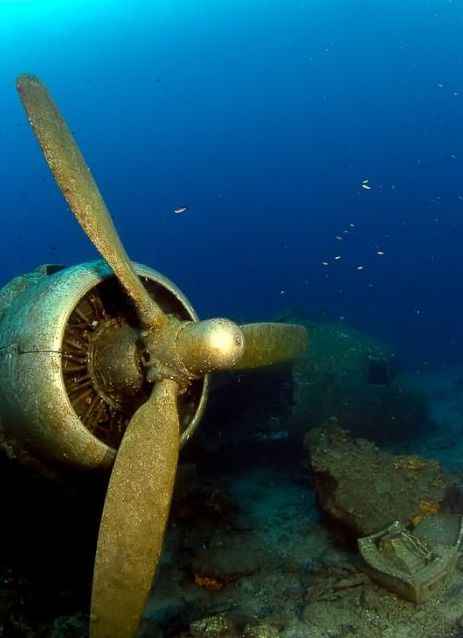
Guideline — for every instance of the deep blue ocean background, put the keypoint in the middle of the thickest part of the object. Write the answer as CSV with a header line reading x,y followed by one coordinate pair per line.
x,y
263,117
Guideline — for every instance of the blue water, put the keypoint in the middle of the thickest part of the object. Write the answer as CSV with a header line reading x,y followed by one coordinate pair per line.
x,y
263,118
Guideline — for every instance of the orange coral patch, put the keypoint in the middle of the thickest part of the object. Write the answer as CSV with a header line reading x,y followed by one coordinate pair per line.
x,y
425,507
209,582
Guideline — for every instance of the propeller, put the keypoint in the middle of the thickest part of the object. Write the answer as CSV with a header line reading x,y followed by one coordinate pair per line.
x,y
175,353
269,343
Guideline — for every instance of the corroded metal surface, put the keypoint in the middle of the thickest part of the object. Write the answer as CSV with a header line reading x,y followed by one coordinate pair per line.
x,y
170,354
38,403
413,567
129,543
79,189
270,343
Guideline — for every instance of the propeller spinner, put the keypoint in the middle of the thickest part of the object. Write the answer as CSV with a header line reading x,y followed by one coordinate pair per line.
x,y
175,353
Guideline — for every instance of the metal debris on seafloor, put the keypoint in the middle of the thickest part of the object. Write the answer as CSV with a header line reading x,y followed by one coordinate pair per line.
x,y
409,564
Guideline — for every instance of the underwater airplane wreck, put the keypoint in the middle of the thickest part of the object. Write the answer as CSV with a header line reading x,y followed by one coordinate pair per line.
x,y
104,366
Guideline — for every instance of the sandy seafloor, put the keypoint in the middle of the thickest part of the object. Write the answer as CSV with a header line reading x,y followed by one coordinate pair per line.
x,y
275,570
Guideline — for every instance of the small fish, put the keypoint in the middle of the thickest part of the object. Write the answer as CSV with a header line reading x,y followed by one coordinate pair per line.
x,y
366,185
339,238
360,267
180,209
380,252
338,257
325,263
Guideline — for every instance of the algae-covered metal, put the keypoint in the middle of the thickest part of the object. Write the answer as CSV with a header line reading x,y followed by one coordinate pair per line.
x,y
97,358
408,563
60,399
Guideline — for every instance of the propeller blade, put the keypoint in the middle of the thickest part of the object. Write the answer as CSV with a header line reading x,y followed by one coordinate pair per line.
x,y
81,192
135,515
269,343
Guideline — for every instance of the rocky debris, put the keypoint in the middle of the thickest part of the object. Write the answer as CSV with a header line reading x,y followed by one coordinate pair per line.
x,y
200,504
24,613
367,610
221,626
263,630
365,489
225,558
213,627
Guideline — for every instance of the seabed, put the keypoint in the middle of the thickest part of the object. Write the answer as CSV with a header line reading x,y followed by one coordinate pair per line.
x,y
272,567
249,555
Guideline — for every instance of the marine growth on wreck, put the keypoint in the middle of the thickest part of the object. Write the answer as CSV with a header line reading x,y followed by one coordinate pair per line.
x,y
271,447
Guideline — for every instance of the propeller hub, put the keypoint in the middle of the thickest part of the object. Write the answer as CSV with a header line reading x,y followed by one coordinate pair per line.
x,y
187,350
114,361
214,344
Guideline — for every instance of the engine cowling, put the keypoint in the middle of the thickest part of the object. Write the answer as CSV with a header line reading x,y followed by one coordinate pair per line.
x,y
71,363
